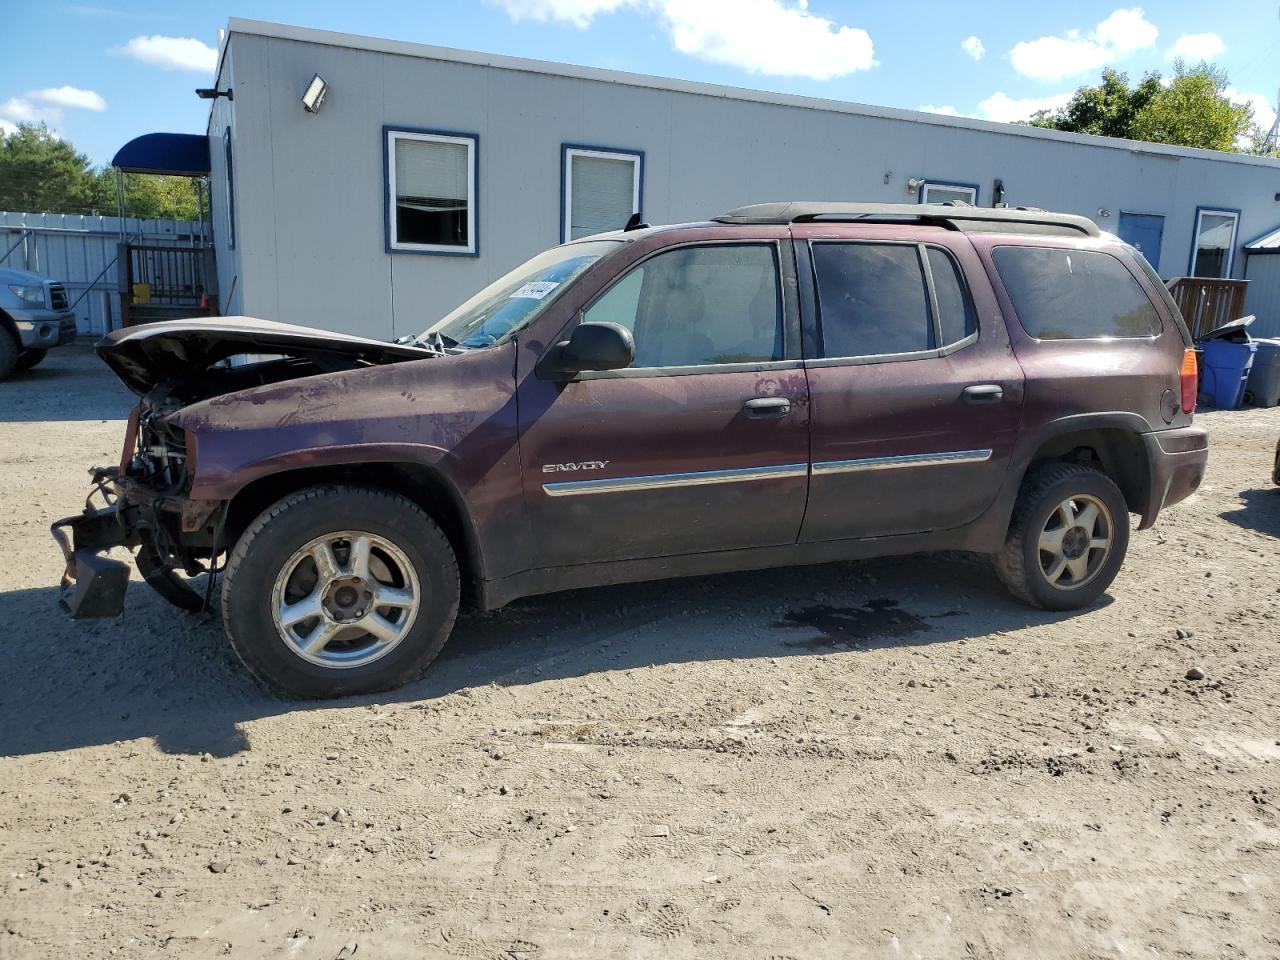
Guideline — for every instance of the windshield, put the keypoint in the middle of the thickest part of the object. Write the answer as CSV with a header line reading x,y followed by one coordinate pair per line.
x,y
510,302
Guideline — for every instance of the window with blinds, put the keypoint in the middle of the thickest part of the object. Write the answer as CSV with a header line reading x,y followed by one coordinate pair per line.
x,y
601,190
432,189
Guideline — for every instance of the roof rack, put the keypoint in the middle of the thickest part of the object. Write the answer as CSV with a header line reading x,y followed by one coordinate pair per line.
x,y
956,216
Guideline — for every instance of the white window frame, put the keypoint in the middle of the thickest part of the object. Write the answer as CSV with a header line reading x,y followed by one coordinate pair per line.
x,y
394,244
1195,239
943,185
566,211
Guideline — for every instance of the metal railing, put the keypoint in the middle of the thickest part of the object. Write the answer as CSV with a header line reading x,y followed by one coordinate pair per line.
x,y
172,275
1208,303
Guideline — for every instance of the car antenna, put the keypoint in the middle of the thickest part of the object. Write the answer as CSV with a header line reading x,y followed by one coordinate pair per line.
x,y
635,223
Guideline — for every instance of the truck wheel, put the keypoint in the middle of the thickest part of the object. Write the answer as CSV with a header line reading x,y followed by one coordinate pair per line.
x,y
9,350
1067,537
338,590
29,358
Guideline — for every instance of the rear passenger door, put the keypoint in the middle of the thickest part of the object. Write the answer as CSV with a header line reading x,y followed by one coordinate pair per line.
x,y
915,394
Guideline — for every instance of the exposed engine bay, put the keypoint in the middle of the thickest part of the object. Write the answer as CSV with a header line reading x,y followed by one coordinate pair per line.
x,y
142,502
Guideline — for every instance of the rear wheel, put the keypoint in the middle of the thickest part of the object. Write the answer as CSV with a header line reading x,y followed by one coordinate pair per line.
x,y
340,590
1067,538
30,357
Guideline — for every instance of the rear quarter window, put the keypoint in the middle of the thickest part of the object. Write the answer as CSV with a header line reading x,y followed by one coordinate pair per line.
x,y
1061,293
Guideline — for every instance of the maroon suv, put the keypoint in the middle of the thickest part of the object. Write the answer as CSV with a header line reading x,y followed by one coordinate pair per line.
x,y
789,383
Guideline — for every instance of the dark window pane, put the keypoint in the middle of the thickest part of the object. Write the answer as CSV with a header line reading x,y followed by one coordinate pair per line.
x,y
1062,294
699,305
872,299
432,191
955,309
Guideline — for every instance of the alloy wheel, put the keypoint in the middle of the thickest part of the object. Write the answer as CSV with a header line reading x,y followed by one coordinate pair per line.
x,y
345,599
1075,542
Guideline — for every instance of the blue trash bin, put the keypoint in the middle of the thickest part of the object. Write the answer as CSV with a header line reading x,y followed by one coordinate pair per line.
x,y
1226,371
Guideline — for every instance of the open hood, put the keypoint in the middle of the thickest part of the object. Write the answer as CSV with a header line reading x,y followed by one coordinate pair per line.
x,y
185,356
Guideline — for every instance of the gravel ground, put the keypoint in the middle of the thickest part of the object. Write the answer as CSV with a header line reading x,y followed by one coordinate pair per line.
x,y
888,758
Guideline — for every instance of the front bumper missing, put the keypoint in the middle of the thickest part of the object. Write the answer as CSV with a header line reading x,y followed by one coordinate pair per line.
x,y
93,585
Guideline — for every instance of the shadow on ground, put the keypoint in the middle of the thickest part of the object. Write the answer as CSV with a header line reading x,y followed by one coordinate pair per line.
x,y
71,383
1261,511
170,676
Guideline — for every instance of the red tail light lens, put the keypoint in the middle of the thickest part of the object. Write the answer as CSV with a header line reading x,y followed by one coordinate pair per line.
x,y
1188,377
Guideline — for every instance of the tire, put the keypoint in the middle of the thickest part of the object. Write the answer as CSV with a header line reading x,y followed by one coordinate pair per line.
x,y
30,357
270,569
1026,570
9,352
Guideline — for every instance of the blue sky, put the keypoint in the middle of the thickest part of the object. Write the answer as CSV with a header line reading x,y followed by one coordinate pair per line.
x,y
103,71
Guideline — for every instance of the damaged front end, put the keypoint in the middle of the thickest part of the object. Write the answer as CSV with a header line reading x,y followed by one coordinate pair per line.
x,y
144,503
140,505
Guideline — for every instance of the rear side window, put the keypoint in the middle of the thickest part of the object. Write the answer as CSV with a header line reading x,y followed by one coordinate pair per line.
x,y
1064,294
955,310
874,300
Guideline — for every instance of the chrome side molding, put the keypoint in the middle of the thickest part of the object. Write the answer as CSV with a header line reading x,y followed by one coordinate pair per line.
x,y
661,481
827,467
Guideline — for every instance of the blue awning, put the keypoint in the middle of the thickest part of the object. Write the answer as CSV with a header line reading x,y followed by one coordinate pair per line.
x,y
173,154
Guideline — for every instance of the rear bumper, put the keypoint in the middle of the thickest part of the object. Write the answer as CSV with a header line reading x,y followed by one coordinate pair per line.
x,y
1176,459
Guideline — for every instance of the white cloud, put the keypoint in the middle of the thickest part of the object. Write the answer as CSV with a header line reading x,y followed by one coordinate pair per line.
x,y
1005,109
1052,58
18,110
1196,47
774,37
46,106
72,97
973,47
578,12
947,111
171,53
1264,111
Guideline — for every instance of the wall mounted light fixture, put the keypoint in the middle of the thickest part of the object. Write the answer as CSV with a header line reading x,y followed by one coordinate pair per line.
x,y
314,97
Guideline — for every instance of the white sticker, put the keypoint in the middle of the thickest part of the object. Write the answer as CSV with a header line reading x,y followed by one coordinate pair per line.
x,y
535,290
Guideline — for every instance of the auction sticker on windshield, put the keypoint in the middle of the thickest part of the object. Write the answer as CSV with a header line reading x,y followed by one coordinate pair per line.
x,y
535,289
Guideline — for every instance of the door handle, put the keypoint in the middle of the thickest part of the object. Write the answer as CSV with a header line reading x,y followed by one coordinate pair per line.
x,y
766,408
983,393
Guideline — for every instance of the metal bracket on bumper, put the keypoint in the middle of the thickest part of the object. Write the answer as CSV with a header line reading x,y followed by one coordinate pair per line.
x,y
92,585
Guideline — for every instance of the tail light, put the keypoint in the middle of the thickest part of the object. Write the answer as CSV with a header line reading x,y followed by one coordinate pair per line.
x,y
1188,377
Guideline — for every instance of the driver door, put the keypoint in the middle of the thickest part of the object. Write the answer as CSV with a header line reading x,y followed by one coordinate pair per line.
x,y
702,443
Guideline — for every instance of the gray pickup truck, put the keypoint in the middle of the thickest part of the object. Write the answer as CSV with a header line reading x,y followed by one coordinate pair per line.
x,y
34,316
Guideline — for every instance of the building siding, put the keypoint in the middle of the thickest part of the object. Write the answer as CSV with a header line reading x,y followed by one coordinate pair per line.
x,y
310,188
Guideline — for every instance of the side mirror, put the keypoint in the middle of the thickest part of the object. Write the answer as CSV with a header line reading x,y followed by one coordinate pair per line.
x,y
594,346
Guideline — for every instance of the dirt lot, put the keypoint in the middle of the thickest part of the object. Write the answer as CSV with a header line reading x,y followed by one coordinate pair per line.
x,y
887,758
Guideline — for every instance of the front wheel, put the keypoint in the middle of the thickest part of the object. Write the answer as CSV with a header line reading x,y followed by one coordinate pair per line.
x,y
340,590
30,357
1067,538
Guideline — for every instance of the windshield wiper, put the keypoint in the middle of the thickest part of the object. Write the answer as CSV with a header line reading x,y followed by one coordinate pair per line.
x,y
429,340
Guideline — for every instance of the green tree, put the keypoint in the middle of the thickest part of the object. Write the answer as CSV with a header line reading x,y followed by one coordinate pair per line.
x,y
42,173
1195,111
1191,109
1107,110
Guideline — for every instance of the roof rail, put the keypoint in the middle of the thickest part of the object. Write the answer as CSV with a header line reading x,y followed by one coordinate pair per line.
x,y
958,216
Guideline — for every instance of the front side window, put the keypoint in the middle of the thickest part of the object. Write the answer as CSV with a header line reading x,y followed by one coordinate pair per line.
x,y
699,305
601,190
431,192
1060,293
937,192
512,302
1215,243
